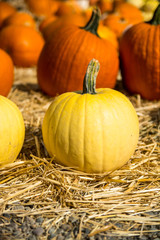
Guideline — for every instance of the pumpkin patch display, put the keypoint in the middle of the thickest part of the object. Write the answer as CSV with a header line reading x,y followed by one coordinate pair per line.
x,y
6,73
12,131
140,54
22,43
94,130
65,56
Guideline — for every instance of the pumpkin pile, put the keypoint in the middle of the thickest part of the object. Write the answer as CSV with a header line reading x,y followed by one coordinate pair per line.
x,y
19,36
74,47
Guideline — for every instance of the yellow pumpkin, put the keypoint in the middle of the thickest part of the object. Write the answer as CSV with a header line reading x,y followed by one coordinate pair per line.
x,y
148,9
137,3
12,131
150,5
94,131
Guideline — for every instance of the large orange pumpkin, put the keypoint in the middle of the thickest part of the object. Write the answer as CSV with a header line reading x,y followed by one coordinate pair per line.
x,y
6,73
140,58
23,44
65,56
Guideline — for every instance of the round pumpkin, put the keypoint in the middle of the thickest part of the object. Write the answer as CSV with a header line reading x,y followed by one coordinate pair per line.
x,y
6,73
124,16
70,46
67,8
94,130
12,131
22,43
54,23
129,11
46,21
140,54
42,7
6,10
20,18
116,23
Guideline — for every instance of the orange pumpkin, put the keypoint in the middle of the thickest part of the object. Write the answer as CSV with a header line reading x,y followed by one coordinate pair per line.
x,y
46,21
42,7
6,73
68,7
57,22
70,47
93,2
105,5
20,18
129,11
116,23
140,57
5,11
23,44
124,15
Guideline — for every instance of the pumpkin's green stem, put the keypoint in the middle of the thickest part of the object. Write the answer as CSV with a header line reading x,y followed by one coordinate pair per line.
x,y
93,23
89,82
156,17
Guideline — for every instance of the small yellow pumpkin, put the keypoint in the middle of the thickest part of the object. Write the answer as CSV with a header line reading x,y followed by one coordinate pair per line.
x,y
94,131
12,131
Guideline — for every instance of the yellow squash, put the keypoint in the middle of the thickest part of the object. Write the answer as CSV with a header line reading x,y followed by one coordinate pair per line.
x,y
12,131
93,131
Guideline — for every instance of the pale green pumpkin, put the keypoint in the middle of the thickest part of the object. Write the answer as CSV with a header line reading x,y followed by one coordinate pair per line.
x,y
94,131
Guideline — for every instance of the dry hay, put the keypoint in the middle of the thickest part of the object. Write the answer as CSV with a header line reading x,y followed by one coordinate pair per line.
x,y
117,203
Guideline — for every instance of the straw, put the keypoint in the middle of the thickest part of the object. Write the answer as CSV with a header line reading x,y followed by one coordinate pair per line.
x,y
115,203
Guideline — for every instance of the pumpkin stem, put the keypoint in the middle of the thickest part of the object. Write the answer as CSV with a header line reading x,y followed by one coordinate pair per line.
x,y
156,17
93,23
89,82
